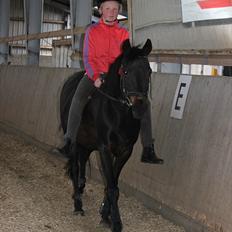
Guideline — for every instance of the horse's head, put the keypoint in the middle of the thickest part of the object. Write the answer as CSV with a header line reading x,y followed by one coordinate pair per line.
x,y
135,75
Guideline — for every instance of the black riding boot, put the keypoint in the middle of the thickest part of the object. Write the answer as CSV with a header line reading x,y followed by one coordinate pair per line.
x,y
65,150
149,156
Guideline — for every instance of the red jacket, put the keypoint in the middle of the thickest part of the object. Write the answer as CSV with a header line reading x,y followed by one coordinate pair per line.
x,y
102,45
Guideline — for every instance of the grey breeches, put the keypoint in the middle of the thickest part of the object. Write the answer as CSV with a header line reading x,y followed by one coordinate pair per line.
x,y
146,128
80,99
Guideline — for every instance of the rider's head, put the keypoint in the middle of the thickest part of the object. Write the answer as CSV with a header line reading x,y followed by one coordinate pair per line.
x,y
109,10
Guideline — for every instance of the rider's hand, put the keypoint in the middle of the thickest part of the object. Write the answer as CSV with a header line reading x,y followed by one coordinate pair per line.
x,y
97,83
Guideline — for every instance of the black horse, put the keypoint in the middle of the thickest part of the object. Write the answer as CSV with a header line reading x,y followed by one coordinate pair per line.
x,y
110,124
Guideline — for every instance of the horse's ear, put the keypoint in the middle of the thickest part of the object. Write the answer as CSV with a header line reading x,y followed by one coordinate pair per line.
x,y
147,47
126,45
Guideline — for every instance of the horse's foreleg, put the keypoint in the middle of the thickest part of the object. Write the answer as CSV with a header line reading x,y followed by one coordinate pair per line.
x,y
74,160
121,159
116,223
105,209
112,189
113,194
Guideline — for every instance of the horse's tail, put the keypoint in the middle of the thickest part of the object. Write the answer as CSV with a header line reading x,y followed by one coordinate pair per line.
x,y
83,158
66,96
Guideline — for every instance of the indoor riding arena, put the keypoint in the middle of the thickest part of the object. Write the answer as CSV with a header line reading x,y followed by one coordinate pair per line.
x,y
41,46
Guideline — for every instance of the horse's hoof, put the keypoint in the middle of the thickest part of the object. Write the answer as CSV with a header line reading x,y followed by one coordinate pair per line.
x,y
116,227
79,212
105,222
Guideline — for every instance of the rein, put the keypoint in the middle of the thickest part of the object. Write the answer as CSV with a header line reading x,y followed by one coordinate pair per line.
x,y
124,102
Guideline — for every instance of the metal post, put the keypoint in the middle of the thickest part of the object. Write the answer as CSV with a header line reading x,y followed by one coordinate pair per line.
x,y
4,29
81,14
33,19
130,20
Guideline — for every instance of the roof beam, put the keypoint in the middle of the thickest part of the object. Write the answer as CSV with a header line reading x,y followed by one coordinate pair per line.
x,y
61,5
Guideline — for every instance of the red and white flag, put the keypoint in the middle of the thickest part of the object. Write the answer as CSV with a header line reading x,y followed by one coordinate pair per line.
x,y
196,10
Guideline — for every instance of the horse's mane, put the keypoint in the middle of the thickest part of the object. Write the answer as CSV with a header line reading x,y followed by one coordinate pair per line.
x,y
112,81
132,53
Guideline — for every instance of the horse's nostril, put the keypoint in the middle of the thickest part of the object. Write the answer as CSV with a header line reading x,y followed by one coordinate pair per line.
x,y
132,99
136,99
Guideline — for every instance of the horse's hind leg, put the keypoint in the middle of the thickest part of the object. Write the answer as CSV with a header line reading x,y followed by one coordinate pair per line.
x,y
83,158
74,175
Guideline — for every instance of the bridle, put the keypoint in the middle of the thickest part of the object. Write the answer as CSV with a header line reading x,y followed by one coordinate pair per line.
x,y
126,94
125,101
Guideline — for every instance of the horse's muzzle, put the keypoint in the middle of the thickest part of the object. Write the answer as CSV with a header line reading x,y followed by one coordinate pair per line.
x,y
139,105
135,99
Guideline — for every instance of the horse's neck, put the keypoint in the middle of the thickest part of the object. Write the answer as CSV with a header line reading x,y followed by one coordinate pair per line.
x,y
112,83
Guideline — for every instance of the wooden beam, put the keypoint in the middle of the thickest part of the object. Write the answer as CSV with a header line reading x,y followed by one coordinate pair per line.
x,y
182,56
23,46
62,42
202,52
53,21
193,56
61,5
46,20
16,18
223,60
43,35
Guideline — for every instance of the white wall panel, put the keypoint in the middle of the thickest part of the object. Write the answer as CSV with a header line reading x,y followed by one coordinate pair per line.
x,y
161,21
148,12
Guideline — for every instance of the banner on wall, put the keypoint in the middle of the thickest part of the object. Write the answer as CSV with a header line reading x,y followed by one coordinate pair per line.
x,y
198,10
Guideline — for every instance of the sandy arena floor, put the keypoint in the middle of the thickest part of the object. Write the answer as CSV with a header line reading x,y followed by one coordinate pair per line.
x,y
35,196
